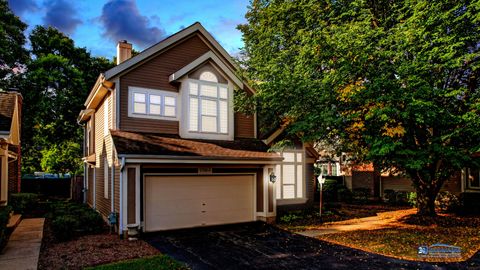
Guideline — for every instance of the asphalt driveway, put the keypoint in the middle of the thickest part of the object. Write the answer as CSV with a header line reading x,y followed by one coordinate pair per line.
x,y
261,246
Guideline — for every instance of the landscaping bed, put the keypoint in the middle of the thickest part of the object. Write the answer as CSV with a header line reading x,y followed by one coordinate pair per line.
x,y
75,237
159,262
310,218
402,237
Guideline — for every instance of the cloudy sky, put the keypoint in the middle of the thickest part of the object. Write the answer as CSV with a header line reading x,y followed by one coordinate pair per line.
x,y
99,24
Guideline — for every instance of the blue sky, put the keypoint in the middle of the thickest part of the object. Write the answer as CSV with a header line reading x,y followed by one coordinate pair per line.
x,y
99,24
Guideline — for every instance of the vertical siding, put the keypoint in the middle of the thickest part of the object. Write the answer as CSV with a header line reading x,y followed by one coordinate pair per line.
x,y
244,126
260,191
154,74
310,182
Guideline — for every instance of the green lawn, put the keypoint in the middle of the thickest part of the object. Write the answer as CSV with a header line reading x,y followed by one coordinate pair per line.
x,y
156,262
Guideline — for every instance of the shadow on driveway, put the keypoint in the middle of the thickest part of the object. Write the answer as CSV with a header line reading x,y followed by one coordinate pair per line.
x,y
261,246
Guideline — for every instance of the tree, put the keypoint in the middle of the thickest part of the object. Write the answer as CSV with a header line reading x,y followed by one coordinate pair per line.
x,y
12,53
395,83
57,82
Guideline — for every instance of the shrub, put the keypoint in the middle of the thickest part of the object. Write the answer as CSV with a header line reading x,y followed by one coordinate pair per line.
x,y
70,219
20,202
330,188
361,195
402,198
447,202
412,199
289,218
4,217
345,195
390,196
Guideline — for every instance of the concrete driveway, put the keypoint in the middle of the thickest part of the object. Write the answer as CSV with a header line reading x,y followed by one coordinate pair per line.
x,y
261,246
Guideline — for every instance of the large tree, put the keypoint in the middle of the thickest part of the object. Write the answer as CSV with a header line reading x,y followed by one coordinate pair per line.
x,y
12,53
57,82
395,83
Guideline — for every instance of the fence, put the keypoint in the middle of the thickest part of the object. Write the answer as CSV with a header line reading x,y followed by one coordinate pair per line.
x,y
57,188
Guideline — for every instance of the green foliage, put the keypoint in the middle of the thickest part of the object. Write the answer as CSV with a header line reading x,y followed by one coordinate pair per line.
x,y
344,194
393,197
447,202
412,199
395,83
71,219
362,195
4,218
12,53
330,190
21,202
58,79
62,158
289,218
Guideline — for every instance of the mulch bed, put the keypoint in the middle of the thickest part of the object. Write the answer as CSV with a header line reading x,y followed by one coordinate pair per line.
x,y
89,250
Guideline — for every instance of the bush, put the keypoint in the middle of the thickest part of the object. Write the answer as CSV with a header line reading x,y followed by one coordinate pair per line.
x,y
362,195
412,199
390,196
70,219
447,202
21,202
330,189
345,195
4,218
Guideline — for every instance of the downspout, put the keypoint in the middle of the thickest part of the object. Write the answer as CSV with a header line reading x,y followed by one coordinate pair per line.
x,y
120,217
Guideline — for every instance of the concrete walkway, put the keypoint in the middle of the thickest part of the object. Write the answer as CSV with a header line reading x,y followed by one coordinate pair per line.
x,y
368,223
23,247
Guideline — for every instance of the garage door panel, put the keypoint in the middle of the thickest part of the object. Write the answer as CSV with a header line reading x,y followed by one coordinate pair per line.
x,y
188,201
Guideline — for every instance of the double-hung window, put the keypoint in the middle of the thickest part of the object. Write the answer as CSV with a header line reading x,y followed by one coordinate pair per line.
x,y
208,105
150,103
473,180
291,181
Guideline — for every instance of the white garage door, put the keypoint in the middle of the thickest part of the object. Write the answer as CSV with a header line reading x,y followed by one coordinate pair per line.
x,y
173,202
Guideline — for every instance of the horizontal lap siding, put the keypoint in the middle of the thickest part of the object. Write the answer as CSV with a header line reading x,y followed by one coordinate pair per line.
x,y
244,126
154,74
103,148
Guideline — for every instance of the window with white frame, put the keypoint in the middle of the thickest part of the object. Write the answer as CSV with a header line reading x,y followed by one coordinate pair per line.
x,y
151,103
473,178
207,105
291,184
105,178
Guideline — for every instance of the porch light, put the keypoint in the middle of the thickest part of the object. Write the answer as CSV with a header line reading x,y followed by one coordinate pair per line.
x,y
273,177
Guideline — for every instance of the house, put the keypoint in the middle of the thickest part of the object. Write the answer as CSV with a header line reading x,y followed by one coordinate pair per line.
x,y
164,148
10,117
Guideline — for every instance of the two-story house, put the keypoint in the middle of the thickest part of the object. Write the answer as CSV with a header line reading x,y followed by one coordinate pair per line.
x,y
164,148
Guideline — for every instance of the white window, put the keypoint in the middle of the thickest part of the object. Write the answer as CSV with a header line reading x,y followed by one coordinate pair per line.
x,y
105,117
105,178
291,182
208,105
150,103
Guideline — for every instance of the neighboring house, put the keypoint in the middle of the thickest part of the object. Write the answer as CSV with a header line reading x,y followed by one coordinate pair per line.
x,y
164,148
10,124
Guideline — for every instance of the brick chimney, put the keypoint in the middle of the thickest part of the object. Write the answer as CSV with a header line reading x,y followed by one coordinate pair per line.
x,y
124,51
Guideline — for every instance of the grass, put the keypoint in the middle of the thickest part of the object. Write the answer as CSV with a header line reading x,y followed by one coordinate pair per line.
x,y
159,262
402,237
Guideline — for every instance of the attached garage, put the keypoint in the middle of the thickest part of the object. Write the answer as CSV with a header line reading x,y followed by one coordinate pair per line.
x,y
173,202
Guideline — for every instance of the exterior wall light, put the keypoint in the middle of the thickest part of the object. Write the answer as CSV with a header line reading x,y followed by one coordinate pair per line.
x,y
273,177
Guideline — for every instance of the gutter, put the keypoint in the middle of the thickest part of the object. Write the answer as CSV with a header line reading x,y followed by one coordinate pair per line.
x,y
120,215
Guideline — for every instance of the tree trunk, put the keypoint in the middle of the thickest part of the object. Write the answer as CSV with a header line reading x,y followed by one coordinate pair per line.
x,y
426,202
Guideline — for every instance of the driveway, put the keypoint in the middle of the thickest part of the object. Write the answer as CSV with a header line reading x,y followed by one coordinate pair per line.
x,y
261,246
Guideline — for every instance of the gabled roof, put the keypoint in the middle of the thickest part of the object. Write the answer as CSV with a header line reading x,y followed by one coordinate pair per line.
x,y
149,52
202,59
173,147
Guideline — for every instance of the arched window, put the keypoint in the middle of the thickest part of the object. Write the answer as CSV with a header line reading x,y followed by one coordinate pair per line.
x,y
208,76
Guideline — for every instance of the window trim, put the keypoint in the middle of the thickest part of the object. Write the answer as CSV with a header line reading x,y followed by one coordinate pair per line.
x,y
295,163
201,98
184,127
156,92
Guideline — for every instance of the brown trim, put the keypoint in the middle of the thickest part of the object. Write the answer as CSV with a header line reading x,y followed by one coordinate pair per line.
x,y
131,214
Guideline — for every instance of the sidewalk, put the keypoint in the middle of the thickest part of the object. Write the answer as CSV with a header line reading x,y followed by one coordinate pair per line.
x,y
23,247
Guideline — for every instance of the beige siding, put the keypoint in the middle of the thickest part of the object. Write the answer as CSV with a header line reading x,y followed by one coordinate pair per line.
x,y
103,149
